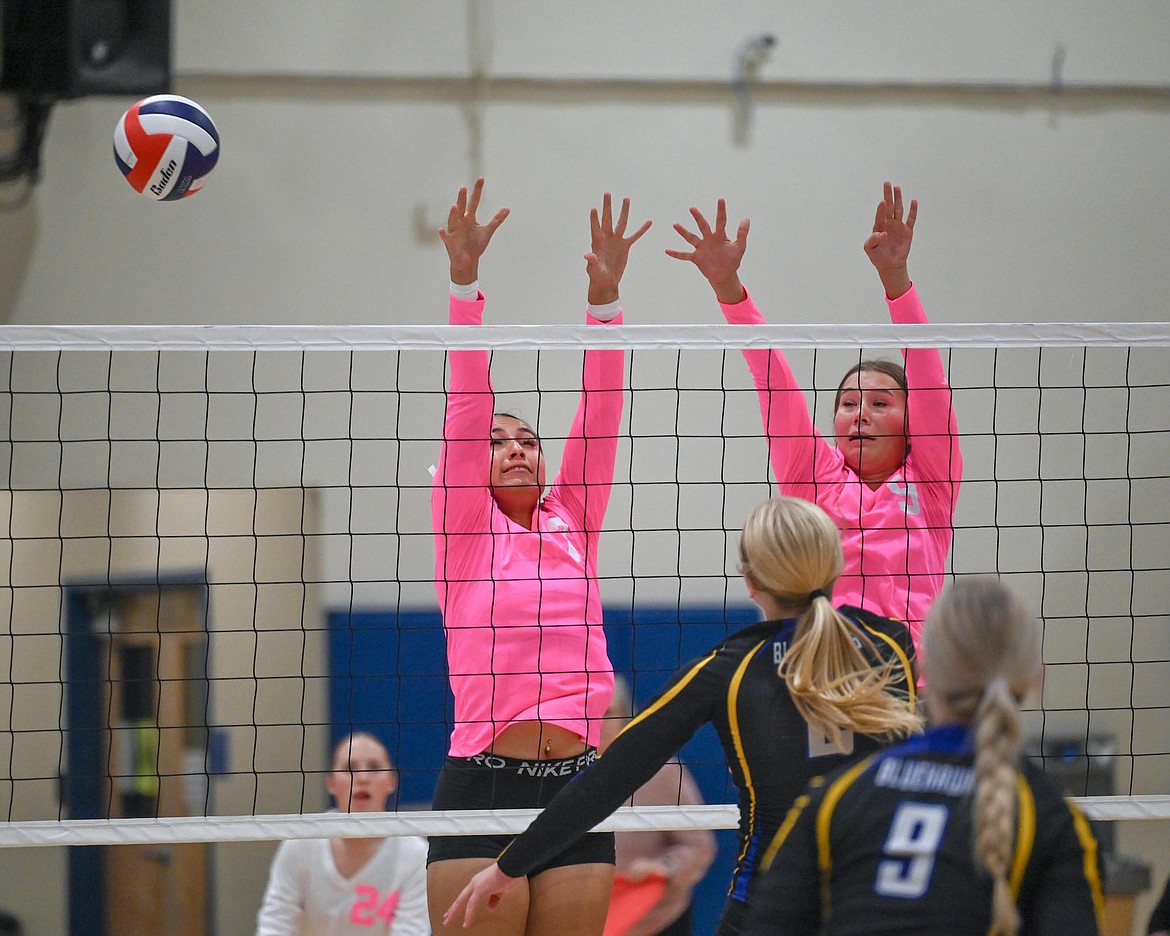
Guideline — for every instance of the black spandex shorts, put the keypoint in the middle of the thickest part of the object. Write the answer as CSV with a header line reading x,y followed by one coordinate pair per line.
x,y
487,781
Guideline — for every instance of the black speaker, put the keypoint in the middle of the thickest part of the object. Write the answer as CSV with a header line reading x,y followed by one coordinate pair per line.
x,y
77,48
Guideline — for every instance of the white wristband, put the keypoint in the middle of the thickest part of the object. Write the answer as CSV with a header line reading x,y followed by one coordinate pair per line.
x,y
605,313
469,292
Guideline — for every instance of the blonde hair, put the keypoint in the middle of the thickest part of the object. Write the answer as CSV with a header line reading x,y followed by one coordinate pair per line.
x,y
983,654
791,550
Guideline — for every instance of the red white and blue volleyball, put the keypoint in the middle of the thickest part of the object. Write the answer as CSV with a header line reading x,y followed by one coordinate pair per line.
x,y
166,146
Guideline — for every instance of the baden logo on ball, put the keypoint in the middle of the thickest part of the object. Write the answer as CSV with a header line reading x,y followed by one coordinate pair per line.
x,y
166,145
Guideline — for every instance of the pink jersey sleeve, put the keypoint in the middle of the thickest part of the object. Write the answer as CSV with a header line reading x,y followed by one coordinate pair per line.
x,y
794,444
460,497
585,478
931,424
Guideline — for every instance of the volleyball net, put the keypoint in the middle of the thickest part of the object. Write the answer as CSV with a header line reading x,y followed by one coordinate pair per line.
x,y
216,552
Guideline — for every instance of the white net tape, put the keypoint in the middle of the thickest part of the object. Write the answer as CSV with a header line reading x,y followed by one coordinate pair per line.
x,y
426,822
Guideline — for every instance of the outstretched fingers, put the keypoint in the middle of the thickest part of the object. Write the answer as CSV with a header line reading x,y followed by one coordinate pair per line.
x,y
609,249
455,214
892,208
715,255
741,233
496,221
601,224
701,222
693,239
888,245
624,221
633,238
721,217
464,237
623,216
472,204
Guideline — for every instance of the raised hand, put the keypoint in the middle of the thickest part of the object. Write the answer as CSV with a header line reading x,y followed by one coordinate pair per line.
x,y
888,247
464,237
609,250
715,256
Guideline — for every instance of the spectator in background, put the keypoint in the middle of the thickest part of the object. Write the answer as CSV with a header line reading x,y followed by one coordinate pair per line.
x,y
350,886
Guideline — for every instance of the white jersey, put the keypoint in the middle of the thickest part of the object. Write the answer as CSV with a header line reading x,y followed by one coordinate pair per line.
x,y
307,895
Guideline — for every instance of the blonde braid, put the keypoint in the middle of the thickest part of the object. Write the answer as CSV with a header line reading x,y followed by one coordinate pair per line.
x,y
997,732
982,653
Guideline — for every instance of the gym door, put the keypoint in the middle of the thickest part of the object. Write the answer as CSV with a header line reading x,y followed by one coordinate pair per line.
x,y
151,691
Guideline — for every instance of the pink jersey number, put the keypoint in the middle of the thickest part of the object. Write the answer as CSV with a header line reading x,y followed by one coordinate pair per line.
x,y
367,910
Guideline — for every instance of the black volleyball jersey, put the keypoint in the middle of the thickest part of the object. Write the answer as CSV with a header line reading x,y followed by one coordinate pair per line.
x,y
770,749
885,847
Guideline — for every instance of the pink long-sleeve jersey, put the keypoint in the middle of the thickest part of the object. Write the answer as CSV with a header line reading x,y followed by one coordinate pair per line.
x,y
521,608
895,538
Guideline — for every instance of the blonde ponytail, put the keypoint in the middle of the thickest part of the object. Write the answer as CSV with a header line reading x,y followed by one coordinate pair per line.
x,y
791,550
837,687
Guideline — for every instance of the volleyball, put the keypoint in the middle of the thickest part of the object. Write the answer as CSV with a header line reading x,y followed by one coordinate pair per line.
x,y
166,146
